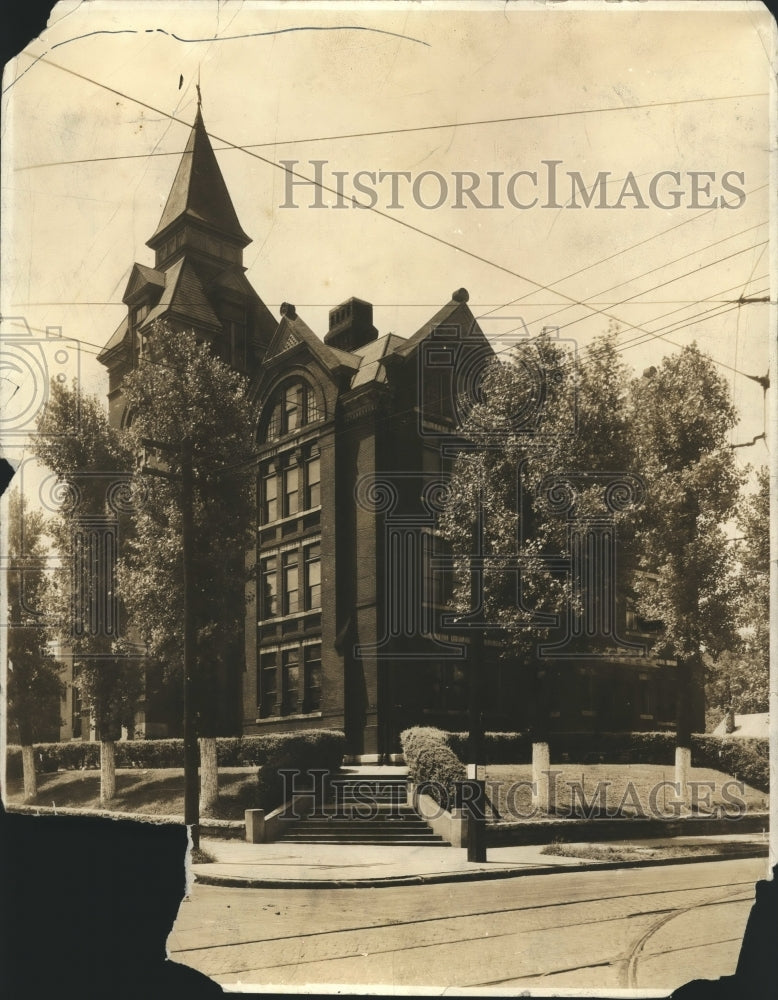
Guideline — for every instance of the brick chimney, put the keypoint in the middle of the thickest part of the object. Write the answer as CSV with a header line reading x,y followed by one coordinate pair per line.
x,y
351,325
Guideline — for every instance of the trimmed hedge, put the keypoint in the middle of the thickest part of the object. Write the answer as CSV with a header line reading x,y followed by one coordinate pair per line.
x,y
319,749
577,748
231,751
745,759
431,759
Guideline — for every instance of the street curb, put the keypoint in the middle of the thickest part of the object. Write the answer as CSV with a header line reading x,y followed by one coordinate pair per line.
x,y
212,827
237,882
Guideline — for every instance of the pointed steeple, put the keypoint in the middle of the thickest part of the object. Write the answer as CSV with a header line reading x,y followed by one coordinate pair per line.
x,y
198,200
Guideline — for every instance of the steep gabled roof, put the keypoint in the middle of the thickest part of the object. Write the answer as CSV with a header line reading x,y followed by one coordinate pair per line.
x,y
142,277
292,331
199,192
372,355
117,338
443,316
183,298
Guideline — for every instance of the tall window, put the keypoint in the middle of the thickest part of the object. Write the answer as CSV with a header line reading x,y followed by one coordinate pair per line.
x,y
290,665
287,488
268,698
312,577
312,660
269,493
291,480
312,479
290,680
291,407
269,583
291,582
273,431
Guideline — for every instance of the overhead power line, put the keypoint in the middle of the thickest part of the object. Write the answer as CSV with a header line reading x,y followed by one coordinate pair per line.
x,y
246,147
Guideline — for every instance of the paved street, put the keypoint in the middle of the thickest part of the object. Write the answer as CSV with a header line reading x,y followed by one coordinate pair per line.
x,y
652,928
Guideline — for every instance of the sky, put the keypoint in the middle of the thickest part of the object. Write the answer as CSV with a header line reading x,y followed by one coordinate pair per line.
x,y
97,110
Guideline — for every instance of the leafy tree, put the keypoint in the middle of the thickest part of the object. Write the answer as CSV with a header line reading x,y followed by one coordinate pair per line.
x,y
34,684
86,464
755,605
181,392
543,418
681,416
739,679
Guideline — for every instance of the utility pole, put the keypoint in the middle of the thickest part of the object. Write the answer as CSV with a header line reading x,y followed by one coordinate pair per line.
x,y
191,749
476,823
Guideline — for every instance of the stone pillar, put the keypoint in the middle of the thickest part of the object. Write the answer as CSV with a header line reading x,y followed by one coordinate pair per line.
x,y
255,826
541,786
683,765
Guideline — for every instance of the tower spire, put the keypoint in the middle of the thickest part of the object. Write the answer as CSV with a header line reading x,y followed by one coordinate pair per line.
x,y
199,196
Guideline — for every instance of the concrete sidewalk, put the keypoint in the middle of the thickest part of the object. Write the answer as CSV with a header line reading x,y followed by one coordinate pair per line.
x,y
305,866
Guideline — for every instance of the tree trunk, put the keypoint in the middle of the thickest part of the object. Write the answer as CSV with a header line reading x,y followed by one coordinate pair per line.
x,y
107,770
209,773
28,770
683,764
683,729
541,785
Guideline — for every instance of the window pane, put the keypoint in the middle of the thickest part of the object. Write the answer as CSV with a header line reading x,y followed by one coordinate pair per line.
x,y
291,482
291,670
291,583
274,423
313,473
292,399
269,602
269,489
312,655
312,407
313,577
267,685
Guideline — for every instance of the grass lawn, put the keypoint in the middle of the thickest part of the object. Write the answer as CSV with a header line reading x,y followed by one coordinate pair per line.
x,y
628,788
160,791
157,791
635,852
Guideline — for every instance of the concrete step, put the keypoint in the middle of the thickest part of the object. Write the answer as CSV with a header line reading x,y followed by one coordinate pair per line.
x,y
344,825
387,784
370,776
356,806
302,837
365,810
389,820
359,788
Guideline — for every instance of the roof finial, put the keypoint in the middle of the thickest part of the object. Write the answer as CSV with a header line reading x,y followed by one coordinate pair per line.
x,y
199,95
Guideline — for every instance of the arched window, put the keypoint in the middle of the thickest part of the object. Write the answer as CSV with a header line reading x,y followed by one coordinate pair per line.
x,y
292,406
